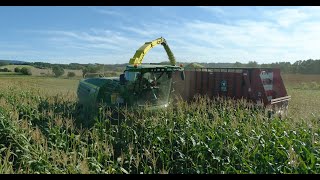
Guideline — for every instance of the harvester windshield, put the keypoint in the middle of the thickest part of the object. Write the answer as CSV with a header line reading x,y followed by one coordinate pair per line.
x,y
131,76
153,88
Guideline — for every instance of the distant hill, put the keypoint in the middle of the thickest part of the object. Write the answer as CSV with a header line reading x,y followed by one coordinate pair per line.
x,y
12,62
208,65
193,66
202,64
41,72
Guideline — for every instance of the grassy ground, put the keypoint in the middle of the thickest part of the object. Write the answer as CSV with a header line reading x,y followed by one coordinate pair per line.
x,y
42,72
305,95
49,86
41,131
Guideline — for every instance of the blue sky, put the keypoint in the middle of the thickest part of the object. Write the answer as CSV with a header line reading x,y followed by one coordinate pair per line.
x,y
108,35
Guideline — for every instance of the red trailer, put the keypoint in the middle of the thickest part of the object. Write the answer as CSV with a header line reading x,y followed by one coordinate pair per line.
x,y
262,86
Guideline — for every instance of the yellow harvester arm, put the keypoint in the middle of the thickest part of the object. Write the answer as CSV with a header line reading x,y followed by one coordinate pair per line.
x,y
142,51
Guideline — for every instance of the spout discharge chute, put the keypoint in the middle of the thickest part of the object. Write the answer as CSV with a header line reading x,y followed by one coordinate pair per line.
x,y
143,50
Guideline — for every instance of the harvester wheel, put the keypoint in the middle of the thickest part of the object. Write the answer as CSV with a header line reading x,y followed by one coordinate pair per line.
x,y
79,108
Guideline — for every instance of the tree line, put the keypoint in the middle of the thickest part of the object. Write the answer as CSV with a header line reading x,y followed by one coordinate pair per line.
x,y
309,66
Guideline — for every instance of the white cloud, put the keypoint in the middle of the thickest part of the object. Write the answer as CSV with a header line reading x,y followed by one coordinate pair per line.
x,y
141,31
284,34
107,11
213,9
288,16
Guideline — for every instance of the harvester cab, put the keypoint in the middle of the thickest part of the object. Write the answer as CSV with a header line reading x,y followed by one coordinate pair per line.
x,y
140,84
148,84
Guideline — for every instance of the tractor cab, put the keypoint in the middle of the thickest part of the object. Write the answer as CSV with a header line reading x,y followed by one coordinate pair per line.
x,y
149,84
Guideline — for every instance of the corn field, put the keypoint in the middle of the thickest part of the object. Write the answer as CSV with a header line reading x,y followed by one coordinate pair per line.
x,y
43,132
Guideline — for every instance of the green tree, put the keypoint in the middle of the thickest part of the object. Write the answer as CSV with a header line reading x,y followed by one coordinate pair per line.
x,y
237,64
91,69
252,64
3,63
26,71
193,66
71,74
58,71
16,69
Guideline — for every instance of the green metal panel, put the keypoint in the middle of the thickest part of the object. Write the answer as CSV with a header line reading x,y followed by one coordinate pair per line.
x,y
92,91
